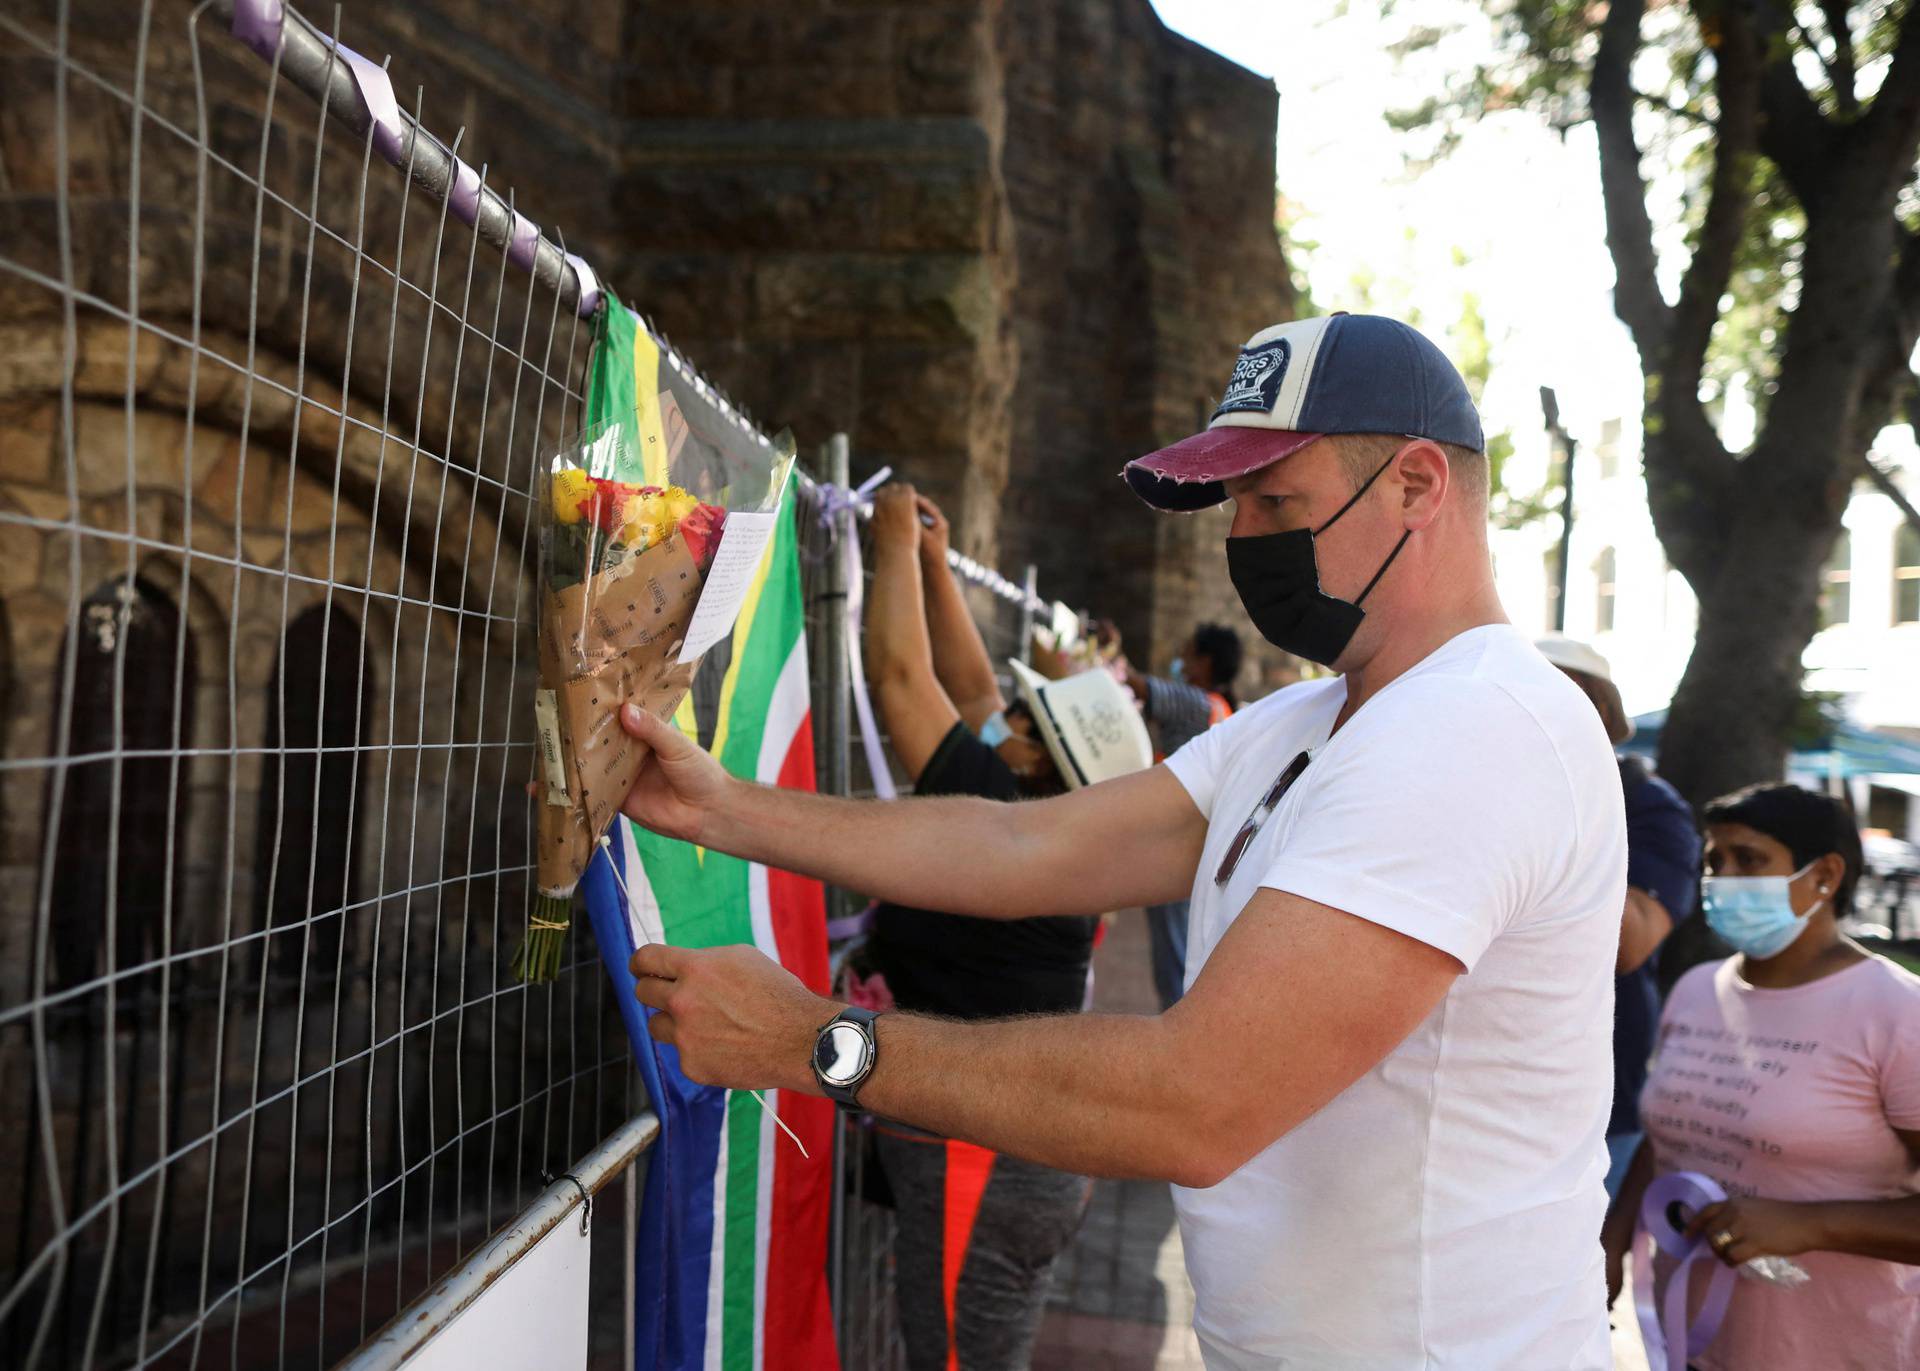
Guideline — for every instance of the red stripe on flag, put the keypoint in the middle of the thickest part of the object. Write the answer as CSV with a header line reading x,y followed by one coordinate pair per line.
x,y
799,1326
968,1167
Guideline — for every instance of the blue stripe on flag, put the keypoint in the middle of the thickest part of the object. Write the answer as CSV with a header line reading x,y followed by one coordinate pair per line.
x,y
674,1247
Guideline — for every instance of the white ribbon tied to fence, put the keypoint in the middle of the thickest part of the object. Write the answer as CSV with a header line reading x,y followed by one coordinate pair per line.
x,y
835,501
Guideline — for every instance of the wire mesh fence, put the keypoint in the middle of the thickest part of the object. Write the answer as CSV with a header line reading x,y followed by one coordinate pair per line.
x,y
271,418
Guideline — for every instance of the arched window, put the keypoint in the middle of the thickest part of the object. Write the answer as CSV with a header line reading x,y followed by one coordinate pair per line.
x,y
148,815
1603,591
1836,582
309,787
1906,576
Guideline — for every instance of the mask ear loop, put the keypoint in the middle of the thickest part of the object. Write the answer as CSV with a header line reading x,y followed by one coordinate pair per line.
x,y
1365,486
1383,568
1820,890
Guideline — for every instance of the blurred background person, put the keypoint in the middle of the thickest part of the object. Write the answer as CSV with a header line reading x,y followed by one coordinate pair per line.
x,y
1195,694
977,1232
1790,1074
1663,878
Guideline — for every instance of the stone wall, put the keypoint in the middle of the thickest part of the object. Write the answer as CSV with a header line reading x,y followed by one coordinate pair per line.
x,y
1004,244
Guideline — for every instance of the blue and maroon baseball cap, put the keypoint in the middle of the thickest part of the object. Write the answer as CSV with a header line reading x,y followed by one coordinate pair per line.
x,y
1295,383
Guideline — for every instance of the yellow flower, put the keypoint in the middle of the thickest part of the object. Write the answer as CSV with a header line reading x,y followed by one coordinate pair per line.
x,y
572,489
646,520
679,503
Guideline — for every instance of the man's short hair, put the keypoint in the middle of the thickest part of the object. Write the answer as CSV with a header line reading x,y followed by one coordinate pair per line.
x,y
1362,454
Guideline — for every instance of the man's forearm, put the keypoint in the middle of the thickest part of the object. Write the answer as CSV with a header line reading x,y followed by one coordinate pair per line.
x,y
1096,1094
896,627
960,657
922,852
1117,845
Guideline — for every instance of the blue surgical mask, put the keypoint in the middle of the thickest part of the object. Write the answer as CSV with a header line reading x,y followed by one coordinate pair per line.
x,y
1177,671
995,730
1755,913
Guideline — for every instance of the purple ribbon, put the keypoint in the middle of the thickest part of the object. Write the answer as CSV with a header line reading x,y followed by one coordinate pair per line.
x,y
258,23
463,196
522,241
376,93
838,500
851,926
589,285
1670,1340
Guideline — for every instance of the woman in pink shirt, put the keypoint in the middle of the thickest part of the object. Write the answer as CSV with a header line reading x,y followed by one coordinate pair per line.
x,y
1790,1074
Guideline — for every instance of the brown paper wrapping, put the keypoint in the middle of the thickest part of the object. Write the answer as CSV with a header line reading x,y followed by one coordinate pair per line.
x,y
604,642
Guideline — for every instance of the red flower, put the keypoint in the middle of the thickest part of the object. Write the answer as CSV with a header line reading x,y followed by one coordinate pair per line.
x,y
701,530
605,505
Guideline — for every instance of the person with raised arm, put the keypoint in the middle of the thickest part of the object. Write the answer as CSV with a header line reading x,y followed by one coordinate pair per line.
x,y
993,1223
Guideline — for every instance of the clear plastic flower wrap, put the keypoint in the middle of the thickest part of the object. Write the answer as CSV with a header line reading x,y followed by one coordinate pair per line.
x,y
632,514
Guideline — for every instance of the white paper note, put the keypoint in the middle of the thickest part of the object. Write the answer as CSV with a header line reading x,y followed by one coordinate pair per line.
x,y
742,543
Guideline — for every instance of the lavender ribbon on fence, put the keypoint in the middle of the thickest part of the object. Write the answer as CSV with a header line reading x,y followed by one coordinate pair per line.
x,y
838,500
258,24
1669,1339
376,92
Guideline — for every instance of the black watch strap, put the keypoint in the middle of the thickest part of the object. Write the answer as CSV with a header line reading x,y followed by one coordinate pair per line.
x,y
829,1051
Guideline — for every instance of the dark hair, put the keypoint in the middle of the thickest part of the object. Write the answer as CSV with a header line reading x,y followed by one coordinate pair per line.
x,y
1222,647
1808,824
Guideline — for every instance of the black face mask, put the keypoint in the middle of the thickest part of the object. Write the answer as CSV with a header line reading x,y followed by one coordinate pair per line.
x,y
1278,580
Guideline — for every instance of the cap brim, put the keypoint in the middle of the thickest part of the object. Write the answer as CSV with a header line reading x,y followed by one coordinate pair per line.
x,y
1192,473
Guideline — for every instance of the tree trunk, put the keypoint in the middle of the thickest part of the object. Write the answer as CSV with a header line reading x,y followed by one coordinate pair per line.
x,y
1737,700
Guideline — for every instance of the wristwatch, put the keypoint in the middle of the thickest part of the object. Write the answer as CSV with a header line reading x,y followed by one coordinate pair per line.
x,y
844,1053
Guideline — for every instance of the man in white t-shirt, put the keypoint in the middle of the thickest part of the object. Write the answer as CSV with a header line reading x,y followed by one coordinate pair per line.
x,y
1383,1096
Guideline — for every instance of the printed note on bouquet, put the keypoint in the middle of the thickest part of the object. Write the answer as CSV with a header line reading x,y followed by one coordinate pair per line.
x,y
735,563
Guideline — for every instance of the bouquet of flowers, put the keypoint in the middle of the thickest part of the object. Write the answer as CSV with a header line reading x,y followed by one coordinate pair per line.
x,y
622,566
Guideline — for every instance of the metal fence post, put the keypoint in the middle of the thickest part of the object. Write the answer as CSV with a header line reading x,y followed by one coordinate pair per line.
x,y
836,777
631,1228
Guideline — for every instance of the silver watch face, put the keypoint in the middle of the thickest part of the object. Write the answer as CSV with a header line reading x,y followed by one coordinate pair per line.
x,y
841,1054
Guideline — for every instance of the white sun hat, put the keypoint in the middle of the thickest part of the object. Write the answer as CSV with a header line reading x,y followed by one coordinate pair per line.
x,y
1572,655
1088,722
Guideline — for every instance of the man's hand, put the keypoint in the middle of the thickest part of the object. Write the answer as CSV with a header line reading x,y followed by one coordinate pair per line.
x,y
935,535
1740,1229
680,785
739,1018
896,517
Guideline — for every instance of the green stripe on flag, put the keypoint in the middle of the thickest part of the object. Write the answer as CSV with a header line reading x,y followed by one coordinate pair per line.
x,y
705,898
742,1254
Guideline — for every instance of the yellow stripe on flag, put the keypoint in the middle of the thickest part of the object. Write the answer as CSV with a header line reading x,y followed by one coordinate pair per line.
x,y
646,391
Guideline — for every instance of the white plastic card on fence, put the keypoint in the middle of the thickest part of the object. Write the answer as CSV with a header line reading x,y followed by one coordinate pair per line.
x,y
534,1316
742,544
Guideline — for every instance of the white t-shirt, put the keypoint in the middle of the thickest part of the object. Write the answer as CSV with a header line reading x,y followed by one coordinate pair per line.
x,y
1444,1210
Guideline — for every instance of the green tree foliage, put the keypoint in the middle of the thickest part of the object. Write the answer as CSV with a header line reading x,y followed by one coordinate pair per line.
x,y
1473,354
1757,166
